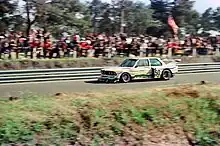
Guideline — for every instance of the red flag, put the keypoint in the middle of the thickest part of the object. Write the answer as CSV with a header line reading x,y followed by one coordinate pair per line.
x,y
172,24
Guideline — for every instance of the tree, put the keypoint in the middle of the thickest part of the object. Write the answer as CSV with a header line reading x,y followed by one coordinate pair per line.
x,y
216,18
102,16
70,15
8,14
138,17
162,9
186,17
35,11
57,15
182,12
210,19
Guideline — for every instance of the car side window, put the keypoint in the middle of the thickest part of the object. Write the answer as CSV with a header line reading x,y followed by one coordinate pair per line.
x,y
155,62
141,63
147,62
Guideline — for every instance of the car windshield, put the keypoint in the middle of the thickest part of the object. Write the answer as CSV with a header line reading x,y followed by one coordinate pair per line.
x,y
128,63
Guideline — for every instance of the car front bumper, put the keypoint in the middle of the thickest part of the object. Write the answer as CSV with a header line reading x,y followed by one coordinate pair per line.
x,y
108,78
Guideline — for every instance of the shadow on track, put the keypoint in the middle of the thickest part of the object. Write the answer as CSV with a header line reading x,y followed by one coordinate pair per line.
x,y
134,81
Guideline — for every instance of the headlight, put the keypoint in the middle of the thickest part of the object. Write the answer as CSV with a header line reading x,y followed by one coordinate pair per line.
x,y
108,72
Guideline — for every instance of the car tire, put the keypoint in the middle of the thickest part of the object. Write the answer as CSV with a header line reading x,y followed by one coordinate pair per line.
x,y
125,78
166,74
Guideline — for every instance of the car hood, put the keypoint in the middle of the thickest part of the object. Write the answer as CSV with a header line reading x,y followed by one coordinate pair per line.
x,y
116,69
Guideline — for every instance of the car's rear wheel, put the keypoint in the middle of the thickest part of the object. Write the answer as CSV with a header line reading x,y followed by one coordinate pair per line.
x,y
166,74
125,78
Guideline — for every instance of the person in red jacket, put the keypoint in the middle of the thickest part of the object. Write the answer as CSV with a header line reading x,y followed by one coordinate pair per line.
x,y
48,47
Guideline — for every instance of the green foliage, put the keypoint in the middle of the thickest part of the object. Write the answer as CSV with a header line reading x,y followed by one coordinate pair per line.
x,y
15,132
210,19
60,16
96,141
204,138
99,117
117,128
121,117
150,114
138,117
34,120
142,116
183,14
9,19
204,114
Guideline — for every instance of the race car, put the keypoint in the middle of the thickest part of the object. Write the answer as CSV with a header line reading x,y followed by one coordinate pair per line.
x,y
139,68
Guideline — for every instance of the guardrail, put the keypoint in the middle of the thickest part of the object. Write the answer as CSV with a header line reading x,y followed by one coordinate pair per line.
x,y
40,75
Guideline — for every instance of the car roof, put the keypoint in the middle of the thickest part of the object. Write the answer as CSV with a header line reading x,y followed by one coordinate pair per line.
x,y
140,58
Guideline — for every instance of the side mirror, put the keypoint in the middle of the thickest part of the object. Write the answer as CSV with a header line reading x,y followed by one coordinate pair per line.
x,y
136,66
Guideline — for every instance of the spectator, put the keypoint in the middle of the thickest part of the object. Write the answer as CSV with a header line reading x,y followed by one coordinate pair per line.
x,y
97,45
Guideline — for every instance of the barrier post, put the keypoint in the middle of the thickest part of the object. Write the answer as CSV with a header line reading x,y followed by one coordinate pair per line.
x,y
141,53
109,53
13,55
217,53
61,53
91,53
170,52
194,52
6,56
74,54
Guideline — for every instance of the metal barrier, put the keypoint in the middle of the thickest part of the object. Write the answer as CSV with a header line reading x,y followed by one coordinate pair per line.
x,y
40,75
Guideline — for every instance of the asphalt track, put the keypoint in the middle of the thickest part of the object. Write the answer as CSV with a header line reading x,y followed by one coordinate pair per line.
x,y
50,88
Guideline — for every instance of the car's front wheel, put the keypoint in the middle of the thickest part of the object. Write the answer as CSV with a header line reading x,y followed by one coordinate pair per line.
x,y
166,74
125,78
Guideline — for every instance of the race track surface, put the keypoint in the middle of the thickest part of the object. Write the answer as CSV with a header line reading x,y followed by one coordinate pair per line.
x,y
51,88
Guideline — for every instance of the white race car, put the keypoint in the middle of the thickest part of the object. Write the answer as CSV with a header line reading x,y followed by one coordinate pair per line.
x,y
139,68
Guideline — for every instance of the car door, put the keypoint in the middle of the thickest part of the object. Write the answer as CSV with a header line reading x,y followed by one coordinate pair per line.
x,y
157,66
142,68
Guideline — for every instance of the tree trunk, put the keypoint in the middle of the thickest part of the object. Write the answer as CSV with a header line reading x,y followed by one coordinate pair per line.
x,y
29,22
28,18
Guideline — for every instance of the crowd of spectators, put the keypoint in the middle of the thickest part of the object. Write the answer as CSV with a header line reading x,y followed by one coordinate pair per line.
x,y
39,44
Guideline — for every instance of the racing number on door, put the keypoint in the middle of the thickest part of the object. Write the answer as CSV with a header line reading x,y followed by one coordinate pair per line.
x,y
157,73
156,62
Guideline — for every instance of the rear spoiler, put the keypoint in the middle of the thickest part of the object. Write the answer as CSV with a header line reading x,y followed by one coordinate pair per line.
x,y
171,60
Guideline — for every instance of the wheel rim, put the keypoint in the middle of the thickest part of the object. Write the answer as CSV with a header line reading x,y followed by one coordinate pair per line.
x,y
126,78
166,75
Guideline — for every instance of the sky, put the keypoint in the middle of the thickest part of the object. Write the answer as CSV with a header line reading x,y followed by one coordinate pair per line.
x,y
200,5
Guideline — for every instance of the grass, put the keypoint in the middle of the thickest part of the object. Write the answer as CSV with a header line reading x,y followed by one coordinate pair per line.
x,y
114,117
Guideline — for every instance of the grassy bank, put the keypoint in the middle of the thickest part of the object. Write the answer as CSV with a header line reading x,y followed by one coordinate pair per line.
x,y
79,62
184,115
57,63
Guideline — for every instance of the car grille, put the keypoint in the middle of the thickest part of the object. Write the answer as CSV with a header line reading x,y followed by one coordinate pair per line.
x,y
108,72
